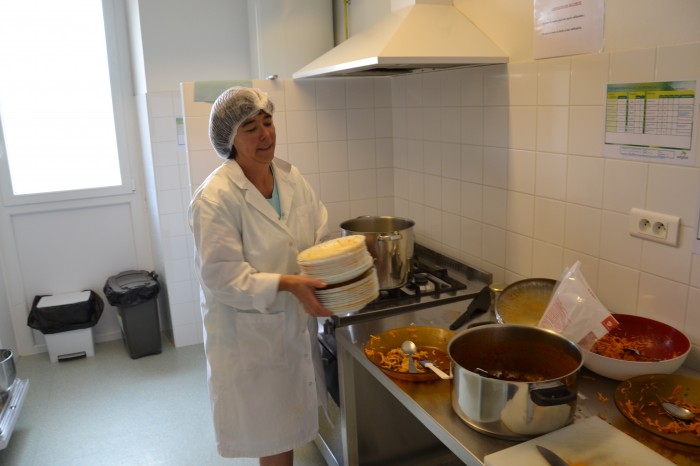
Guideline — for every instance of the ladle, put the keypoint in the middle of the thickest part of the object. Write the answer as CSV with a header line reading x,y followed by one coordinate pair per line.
x,y
678,412
409,348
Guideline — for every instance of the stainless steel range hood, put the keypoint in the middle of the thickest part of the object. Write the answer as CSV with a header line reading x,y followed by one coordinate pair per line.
x,y
426,34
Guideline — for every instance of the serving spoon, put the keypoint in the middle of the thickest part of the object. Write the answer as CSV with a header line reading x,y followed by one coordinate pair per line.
x,y
678,412
409,348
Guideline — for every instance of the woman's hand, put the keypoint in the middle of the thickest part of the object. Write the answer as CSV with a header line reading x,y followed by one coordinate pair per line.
x,y
303,288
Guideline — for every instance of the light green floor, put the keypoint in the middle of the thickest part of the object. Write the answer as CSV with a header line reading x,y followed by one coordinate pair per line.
x,y
110,410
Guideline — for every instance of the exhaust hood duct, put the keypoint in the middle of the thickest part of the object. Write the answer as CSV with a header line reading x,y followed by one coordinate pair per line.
x,y
426,35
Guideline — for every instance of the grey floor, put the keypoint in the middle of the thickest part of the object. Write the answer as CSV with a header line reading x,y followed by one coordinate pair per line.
x,y
113,410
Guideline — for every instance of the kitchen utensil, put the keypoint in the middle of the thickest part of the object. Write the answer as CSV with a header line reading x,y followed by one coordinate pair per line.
x,y
435,369
552,458
478,305
590,441
533,381
667,348
639,400
8,371
433,340
678,411
523,302
409,348
390,241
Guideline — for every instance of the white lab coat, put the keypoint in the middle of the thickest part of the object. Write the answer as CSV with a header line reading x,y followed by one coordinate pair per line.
x,y
263,362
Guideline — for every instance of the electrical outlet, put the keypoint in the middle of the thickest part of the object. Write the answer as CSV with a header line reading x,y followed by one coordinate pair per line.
x,y
654,226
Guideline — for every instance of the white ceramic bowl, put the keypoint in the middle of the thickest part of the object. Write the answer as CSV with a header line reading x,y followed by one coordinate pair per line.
x,y
671,348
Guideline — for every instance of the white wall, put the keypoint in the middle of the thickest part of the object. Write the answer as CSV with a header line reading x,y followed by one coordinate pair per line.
x,y
191,41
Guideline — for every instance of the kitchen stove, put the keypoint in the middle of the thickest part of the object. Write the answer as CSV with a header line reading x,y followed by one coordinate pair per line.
x,y
434,280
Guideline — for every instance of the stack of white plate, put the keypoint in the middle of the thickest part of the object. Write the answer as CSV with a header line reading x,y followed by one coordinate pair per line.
x,y
348,268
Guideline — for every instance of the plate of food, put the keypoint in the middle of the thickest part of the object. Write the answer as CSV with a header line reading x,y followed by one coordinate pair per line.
x,y
384,350
639,400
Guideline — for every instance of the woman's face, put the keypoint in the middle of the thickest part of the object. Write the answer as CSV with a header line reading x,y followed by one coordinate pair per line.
x,y
255,140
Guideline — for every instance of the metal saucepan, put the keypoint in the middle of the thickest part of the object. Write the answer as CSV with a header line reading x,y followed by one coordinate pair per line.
x,y
8,371
524,302
390,241
514,381
432,340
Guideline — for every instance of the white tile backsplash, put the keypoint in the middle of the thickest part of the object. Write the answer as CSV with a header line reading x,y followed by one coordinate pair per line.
x,y
553,81
330,94
552,129
472,87
360,93
522,126
632,66
625,185
586,130
582,229
472,122
501,166
333,156
335,187
521,171
550,175
585,180
304,156
589,77
332,125
301,126
496,126
674,190
450,124
674,63
522,84
361,154
432,124
549,221
451,165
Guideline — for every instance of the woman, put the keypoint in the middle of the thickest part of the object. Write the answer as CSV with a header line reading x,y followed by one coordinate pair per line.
x,y
250,219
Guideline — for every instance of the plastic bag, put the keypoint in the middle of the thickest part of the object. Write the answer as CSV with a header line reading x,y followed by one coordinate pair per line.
x,y
575,311
67,317
131,287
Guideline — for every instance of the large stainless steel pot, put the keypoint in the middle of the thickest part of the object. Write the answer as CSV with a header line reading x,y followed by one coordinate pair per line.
x,y
514,381
390,241
7,370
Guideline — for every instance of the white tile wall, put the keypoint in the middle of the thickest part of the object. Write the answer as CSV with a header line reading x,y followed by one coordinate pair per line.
x,y
500,166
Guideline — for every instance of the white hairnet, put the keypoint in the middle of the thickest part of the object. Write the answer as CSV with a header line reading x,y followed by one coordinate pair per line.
x,y
231,108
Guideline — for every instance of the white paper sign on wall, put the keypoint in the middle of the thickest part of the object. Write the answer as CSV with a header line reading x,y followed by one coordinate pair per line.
x,y
568,27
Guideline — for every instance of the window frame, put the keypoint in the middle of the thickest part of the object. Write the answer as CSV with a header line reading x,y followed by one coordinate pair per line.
x,y
116,39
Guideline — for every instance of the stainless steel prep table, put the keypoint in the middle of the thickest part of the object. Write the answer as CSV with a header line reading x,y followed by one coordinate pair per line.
x,y
388,421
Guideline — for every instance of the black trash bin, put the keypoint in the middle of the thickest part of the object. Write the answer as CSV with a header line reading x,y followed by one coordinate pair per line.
x,y
135,293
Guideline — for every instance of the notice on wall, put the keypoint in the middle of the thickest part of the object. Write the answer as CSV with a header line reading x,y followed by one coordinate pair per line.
x,y
652,122
568,27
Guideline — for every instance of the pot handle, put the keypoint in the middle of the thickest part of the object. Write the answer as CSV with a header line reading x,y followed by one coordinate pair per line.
x,y
392,237
552,396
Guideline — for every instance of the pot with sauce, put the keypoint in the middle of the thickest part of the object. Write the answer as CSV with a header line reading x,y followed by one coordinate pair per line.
x,y
514,381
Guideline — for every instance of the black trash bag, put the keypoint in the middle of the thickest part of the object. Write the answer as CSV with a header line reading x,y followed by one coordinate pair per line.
x,y
131,287
66,317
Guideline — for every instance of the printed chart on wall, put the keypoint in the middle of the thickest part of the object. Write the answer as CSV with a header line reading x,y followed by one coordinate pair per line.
x,y
652,122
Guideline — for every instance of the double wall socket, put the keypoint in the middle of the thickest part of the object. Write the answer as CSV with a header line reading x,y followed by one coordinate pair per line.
x,y
654,226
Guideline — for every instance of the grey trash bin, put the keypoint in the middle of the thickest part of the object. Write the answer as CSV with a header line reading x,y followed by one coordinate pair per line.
x,y
135,293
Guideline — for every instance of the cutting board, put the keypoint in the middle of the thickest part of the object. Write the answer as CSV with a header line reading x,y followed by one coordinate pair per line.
x,y
589,442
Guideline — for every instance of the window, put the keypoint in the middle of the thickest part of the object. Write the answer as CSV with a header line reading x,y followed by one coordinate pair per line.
x,y
60,131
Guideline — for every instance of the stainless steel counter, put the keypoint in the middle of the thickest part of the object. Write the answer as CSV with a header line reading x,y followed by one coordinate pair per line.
x,y
385,419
